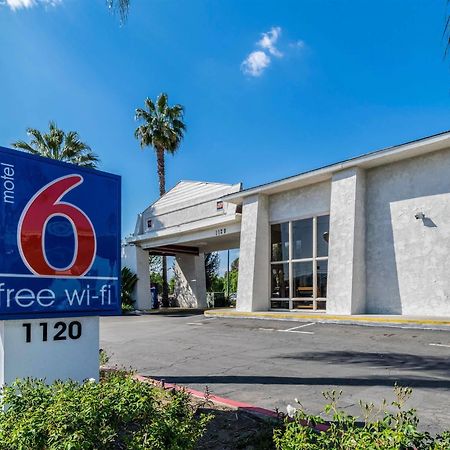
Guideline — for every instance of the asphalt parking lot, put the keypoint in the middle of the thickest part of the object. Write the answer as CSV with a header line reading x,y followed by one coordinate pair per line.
x,y
269,363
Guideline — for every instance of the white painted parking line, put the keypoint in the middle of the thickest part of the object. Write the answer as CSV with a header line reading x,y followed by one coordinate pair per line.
x,y
296,331
266,329
300,326
194,323
440,345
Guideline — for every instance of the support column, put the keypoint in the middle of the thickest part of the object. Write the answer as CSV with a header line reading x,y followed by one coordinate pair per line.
x,y
254,256
190,281
137,260
347,268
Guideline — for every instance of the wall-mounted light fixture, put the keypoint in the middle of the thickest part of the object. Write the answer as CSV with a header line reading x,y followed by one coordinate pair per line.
x,y
419,216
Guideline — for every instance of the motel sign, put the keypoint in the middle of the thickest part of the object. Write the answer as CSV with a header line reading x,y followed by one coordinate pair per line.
x,y
59,263
59,239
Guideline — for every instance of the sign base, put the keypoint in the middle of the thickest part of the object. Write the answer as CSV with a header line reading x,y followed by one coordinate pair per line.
x,y
52,349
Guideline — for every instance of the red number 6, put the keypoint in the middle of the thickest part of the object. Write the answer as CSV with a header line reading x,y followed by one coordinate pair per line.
x,y
44,205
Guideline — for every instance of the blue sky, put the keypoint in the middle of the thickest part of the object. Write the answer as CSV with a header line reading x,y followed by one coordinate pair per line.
x,y
270,88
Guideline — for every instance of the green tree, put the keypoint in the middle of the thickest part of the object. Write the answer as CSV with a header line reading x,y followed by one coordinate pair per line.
x,y
218,284
233,277
162,127
212,263
57,144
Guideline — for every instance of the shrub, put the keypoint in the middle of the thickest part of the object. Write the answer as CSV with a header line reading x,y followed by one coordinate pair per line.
x,y
380,428
116,413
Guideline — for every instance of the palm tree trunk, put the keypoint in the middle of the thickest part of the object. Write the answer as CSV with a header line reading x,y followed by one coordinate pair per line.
x,y
161,171
162,191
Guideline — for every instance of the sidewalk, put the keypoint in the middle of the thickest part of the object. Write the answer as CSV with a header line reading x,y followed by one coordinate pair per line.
x,y
363,319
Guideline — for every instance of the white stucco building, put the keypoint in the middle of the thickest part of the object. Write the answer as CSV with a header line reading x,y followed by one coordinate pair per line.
x,y
366,235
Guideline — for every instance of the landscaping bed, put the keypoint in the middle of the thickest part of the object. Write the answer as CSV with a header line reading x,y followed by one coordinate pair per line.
x,y
232,429
124,411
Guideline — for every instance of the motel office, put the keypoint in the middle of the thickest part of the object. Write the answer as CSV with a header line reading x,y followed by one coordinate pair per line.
x,y
369,235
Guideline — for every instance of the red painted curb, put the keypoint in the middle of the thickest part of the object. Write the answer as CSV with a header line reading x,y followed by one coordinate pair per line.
x,y
223,401
213,398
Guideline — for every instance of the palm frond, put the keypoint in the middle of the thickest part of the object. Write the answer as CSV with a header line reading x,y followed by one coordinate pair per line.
x,y
120,6
59,145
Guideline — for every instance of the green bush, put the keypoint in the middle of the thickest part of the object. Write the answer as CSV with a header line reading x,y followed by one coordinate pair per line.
x,y
387,427
116,413
128,282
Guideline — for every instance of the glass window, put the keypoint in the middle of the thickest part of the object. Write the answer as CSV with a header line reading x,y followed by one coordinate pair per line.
x,y
303,279
299,267
322,275
280,242
303,304
302,238
323,227
280,280
280,304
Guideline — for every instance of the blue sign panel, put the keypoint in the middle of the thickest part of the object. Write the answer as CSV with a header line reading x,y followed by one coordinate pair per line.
x,y
59,239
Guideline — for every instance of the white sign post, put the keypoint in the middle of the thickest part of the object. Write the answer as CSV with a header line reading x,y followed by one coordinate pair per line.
x,y
52,349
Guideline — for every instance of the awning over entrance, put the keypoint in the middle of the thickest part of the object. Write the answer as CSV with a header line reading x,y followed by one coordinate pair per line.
x,y
191,218
188,221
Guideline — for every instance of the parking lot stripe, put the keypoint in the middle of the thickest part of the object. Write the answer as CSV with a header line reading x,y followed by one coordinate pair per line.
x,y
297,331
440,345
300,326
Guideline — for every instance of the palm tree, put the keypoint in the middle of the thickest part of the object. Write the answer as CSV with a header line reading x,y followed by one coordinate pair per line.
x,y
163,129
57,144
121,6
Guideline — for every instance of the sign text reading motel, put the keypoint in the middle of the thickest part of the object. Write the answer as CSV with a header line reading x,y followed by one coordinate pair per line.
x,y
59,239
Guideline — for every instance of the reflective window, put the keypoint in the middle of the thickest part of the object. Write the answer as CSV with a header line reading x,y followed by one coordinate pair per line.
x,y
308,264
323,235
302,239
322,275
280,280
303,279
280,242
280,304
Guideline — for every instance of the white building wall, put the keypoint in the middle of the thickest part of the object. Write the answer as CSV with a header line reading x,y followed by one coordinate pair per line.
x,y
137,260
346,263
302,202
253,282
190,281
407,260
186,215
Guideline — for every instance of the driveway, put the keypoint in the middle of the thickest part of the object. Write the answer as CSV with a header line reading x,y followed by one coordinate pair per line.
x,y
269,363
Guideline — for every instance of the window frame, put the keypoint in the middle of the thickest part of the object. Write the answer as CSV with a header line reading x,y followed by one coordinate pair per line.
x,y
290,261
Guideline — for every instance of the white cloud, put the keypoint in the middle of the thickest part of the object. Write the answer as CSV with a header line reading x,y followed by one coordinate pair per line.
x,y
258,60
255,63
25,4
269,40
298,44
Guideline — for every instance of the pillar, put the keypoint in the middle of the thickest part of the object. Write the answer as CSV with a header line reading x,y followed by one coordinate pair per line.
x,y
137,260
254,256
347,270
190,281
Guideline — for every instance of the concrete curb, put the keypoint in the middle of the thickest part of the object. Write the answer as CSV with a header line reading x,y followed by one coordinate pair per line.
x,y
349,320
212,398
241,406
216,400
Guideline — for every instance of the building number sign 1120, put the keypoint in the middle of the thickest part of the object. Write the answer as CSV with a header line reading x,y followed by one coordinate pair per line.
x,y
60,331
